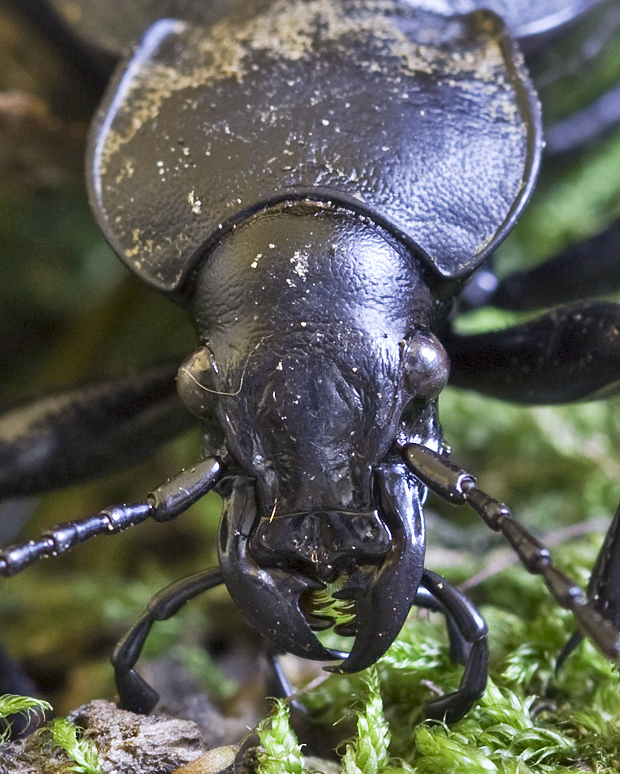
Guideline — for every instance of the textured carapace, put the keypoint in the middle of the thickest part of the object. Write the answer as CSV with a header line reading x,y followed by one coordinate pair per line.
x,y
175,162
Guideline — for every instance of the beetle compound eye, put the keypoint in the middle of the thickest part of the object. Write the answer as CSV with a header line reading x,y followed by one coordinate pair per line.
x,y
426,366
195,381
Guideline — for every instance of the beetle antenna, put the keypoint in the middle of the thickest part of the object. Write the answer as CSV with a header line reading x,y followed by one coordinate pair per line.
x,y
458,486
162,504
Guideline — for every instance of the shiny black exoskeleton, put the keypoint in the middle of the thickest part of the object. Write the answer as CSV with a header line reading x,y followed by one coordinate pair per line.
x,y
315,181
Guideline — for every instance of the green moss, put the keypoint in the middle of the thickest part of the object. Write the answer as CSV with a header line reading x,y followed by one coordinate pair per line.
x,y
14,705
369,752
530,720
281,752
11,705
81,750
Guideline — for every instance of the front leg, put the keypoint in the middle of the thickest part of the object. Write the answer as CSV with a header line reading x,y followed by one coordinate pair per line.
x,y
468,644
135,694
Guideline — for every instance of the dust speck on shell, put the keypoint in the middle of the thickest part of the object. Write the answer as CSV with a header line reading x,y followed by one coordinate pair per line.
x,y
288,32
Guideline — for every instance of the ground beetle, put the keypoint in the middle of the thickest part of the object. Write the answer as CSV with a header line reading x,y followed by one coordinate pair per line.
x,y
315,181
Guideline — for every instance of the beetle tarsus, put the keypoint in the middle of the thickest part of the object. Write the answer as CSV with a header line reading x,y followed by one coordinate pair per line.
x,y
472,639
135,694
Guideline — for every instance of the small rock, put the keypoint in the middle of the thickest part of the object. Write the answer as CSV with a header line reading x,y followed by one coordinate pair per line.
x,y
126,742
221,760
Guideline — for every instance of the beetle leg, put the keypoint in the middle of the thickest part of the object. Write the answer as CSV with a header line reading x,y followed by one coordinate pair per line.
x,y
135,694
571,353
164,503
604,586
460,647
472,642
88,431
279,684
458,486
585,270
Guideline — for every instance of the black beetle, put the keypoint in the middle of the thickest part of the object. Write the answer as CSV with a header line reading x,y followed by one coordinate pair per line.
x,y
315,181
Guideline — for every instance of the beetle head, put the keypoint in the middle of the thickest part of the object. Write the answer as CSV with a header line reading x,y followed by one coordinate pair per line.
x,y
276,570
316,338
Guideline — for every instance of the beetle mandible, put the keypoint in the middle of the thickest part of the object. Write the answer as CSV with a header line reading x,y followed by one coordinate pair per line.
x,y
315,182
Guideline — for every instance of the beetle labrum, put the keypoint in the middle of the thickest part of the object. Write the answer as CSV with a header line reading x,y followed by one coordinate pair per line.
x,y
315,181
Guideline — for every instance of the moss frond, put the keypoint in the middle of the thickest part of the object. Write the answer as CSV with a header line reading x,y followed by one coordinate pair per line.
x,y
282,752
368,753
22,705
18,705
81,750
